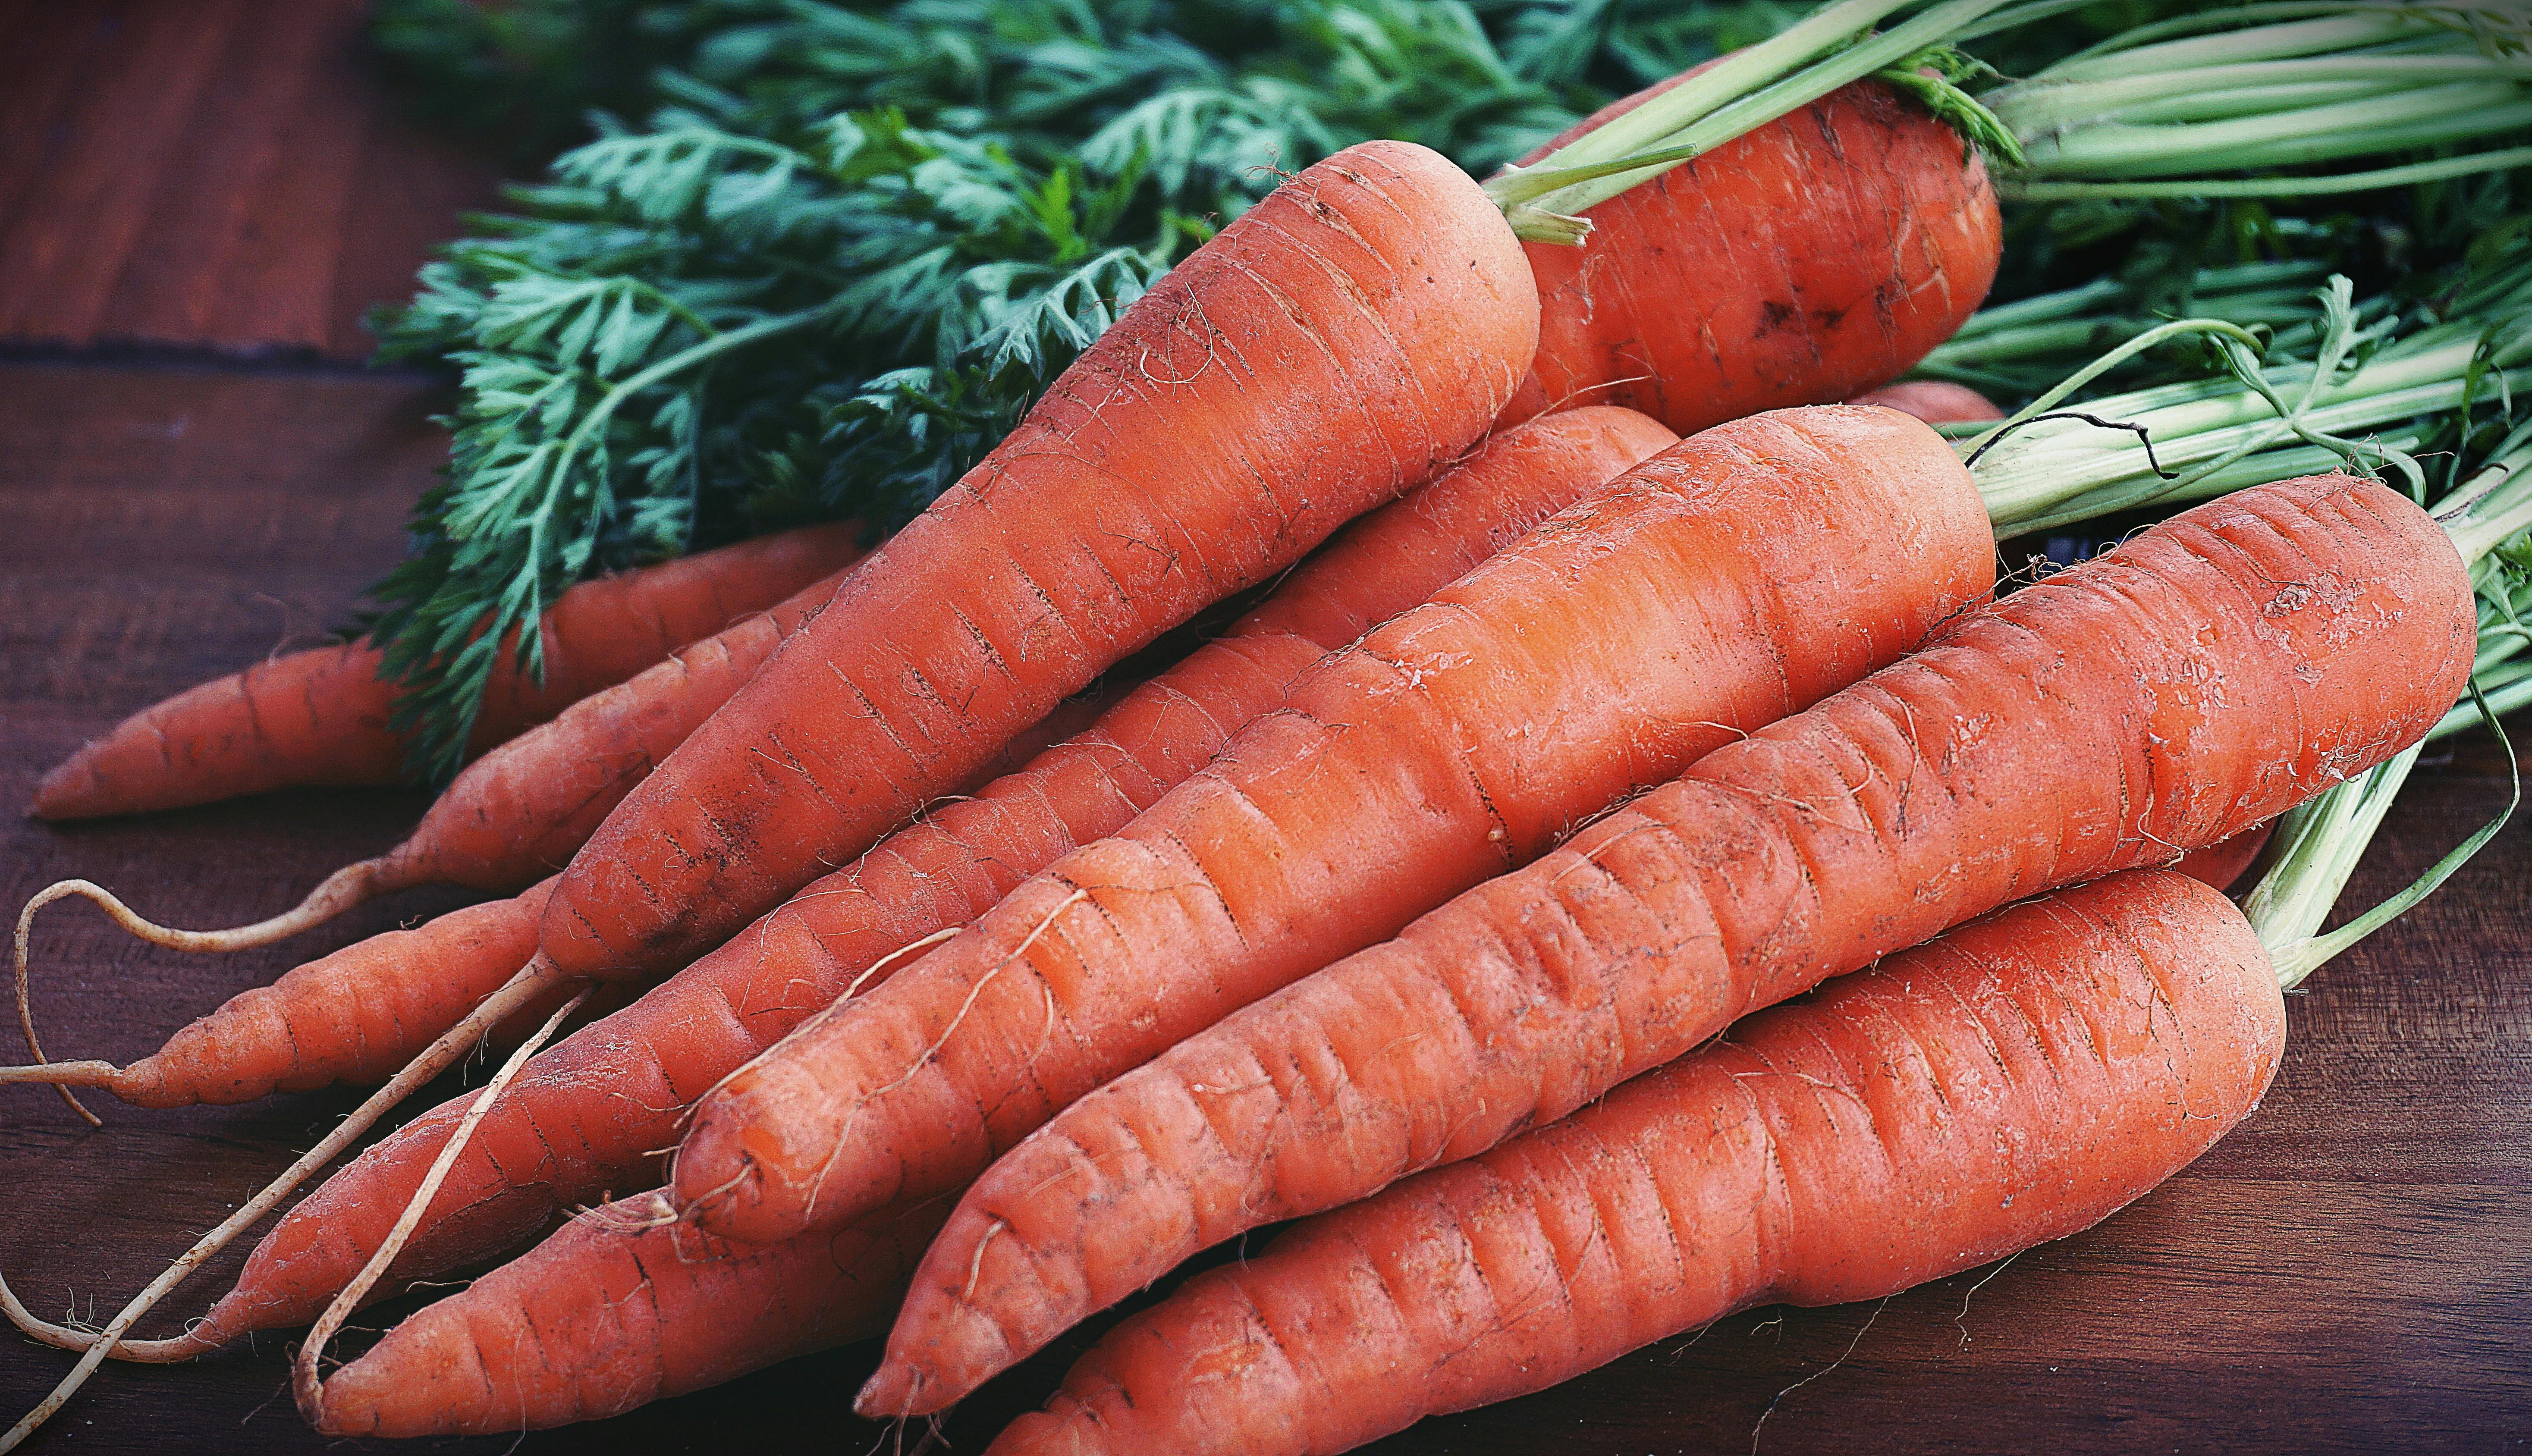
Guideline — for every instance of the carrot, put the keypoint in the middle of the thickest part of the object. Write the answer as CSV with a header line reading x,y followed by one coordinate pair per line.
x,y
1934,401
1339,343
1813,258
319,717
595,1112
624,1304
1903,245
1685,606
520,812
506,822
356,1015
2200,679
2017,1081
360,1013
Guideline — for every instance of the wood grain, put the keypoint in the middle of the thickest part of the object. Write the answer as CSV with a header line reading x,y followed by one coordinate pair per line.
x,y
2349,1272
217,174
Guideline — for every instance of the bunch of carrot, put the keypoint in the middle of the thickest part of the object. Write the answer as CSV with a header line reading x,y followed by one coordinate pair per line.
x,y
1440,900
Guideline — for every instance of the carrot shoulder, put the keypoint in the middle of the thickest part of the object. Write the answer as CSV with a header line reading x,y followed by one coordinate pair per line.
x,y
2201,678
594,1112
319,717
1341,342
1687,604
2017,1081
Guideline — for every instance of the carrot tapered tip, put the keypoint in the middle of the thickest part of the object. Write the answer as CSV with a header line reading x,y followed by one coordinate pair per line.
x,y
888,1395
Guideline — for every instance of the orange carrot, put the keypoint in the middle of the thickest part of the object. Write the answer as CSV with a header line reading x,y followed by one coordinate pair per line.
x,y
520,812
593,1113
1339,343
1687,605
1813,258
2015,1082
1934,401
626,1303
359,1014
320,716
1886,232
2200,679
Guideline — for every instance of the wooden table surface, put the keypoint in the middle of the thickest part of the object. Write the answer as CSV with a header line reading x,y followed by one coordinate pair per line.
x,y
195,200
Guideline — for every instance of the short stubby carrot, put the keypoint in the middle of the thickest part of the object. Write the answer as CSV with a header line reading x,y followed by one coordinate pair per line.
x,y
321,717
596,1112
624,1304
2200,679
1813,259
1687,605
1934,401
1341,342
2018,1081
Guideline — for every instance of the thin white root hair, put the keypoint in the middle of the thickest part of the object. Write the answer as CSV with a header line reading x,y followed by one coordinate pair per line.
x,y
534,978
307,1380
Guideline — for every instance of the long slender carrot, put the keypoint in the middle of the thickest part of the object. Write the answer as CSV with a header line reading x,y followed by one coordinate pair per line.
x,y
1813,258
2200,679
320,716
594,1113
1689,605
1891,255
713,1310
2015,1082
520,812
1339,343
360,1013
624,1304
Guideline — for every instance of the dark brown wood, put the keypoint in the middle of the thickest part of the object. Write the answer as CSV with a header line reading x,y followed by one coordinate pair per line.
x,y
2350,1272
222,174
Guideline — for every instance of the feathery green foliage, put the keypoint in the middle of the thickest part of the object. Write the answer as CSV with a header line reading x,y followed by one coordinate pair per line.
x,y
852,244
848,243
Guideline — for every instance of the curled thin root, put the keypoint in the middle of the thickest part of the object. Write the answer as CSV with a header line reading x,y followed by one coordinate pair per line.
x,y
306,1381
340,892
832,1007
534,980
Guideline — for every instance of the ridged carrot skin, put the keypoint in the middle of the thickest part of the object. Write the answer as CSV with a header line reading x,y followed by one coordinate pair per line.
x,y
594,1112
521,811
360,1013
352,1016
319,717
1689,603
624,1304
2200,679
1340,343
1817,257
2017,1081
